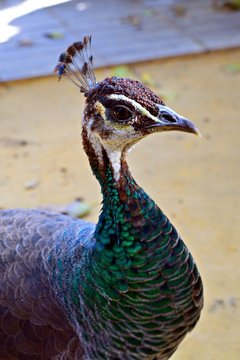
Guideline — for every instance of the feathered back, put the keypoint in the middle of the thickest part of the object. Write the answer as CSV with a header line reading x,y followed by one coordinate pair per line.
x,y
77,64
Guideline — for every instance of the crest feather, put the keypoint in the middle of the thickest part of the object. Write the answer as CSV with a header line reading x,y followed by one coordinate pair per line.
x,y
77,64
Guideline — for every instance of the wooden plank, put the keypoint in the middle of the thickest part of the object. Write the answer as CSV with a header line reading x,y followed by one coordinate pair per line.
x,y
123,32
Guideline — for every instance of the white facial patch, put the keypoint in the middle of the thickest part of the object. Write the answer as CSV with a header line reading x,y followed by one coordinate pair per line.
x,y
95,142
115,147
137,106
115,159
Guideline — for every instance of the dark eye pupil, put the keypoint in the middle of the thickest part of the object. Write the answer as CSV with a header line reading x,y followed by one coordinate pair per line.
x,y
121,113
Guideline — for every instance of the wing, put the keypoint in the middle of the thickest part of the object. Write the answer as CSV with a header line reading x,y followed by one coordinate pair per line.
x,y
33,324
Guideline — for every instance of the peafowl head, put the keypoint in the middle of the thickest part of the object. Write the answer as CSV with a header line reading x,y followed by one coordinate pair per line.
x,y
118,112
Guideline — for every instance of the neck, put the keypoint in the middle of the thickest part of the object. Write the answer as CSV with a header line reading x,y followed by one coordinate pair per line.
x,y
126,209
127,233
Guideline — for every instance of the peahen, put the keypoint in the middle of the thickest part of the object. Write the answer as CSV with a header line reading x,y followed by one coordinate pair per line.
x,y
125,288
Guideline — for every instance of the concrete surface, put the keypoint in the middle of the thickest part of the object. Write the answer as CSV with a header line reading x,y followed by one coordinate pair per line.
x,y
194,180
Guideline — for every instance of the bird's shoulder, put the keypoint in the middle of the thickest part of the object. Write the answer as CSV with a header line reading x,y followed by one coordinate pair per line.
x,y
29,310
23,230
28,238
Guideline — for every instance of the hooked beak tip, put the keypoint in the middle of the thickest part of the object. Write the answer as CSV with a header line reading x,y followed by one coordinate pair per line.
x,y
170,120
195,131
198,133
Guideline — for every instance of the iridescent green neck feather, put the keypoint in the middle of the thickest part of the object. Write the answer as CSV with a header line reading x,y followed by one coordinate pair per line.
x,y
127,234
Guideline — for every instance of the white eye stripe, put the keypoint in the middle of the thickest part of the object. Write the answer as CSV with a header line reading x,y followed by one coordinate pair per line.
x,y
136,105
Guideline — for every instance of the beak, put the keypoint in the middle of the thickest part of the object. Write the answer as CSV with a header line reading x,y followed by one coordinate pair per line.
x,y
169,120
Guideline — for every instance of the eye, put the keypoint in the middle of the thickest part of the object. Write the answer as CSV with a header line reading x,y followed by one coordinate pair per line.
x,y
121,113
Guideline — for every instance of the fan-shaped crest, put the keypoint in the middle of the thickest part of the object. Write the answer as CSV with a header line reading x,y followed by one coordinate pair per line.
x,y
77,64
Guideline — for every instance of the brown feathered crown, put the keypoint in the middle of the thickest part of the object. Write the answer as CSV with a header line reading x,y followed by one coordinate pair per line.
x,y
77,64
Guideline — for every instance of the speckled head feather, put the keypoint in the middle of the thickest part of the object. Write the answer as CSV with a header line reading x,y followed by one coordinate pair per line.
x,y
77,64
132,89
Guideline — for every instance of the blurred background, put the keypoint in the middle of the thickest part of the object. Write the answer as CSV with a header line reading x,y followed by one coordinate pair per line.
x,y
187,51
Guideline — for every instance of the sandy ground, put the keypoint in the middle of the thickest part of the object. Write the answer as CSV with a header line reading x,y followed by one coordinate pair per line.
x,y
195,181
